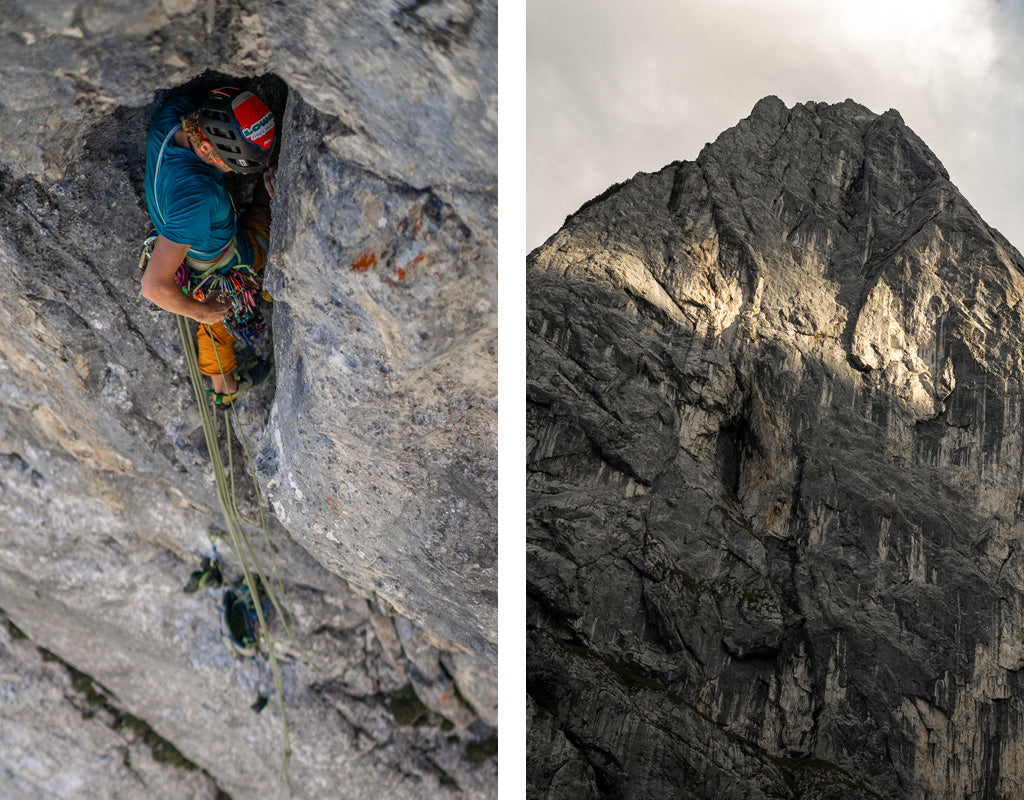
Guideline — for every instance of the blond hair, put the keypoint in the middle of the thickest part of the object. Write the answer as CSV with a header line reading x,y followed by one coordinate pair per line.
x,y
190,124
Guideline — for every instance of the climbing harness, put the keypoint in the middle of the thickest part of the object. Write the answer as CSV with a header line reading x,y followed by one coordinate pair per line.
x,y
239,285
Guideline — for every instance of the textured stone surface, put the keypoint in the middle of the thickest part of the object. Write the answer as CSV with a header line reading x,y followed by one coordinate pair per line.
x,y
374,440
774,496
85,743
384,310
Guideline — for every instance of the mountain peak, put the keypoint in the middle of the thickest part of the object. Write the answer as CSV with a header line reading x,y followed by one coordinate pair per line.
x,y
773,395
814,131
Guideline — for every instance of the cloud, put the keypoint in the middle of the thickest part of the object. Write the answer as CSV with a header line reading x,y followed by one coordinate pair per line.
x,y
616,88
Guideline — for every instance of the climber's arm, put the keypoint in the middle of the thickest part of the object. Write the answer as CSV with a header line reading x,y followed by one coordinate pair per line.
x,y
158,285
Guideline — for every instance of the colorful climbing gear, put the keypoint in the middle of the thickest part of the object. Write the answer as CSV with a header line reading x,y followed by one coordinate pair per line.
x,y
239,286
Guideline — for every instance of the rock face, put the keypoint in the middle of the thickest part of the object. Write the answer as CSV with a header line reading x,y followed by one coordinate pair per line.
x,y
373,443
774,493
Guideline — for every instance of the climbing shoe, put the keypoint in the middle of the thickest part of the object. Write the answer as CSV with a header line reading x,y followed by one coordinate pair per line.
x,y
246,377
252,373
222,400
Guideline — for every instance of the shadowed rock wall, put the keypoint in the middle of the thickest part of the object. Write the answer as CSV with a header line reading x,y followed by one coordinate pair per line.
x,y
374,441
774,506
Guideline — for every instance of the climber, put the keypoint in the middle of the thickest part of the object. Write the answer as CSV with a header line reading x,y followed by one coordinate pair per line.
x,y
207,262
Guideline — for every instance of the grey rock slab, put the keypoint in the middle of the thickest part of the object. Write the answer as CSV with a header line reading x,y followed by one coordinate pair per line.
x,y
374,440
393,323
85,744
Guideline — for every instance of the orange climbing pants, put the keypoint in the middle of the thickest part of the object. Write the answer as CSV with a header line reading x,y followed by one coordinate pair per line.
x,y
216,346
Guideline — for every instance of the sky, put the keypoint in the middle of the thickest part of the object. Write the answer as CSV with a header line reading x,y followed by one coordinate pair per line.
x,y
614,88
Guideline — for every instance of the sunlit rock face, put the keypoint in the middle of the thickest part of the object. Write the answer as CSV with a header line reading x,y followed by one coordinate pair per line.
x,y
373,442
774,492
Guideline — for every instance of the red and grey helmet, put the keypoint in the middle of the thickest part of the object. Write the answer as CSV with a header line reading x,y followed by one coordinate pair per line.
x,y
240,126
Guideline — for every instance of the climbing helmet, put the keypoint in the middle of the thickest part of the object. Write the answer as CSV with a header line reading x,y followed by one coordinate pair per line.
x,y
240,126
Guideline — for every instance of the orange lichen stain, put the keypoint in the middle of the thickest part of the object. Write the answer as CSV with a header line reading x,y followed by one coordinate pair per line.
x,y
400,273
365,261
418,259
418,226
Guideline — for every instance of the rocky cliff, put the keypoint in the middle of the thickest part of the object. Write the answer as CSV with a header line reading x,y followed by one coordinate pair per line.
x,y
373,442
774,491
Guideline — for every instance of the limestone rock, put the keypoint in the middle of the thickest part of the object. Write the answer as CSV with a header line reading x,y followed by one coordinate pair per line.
x,y
373,442
478,687
86,742
774,476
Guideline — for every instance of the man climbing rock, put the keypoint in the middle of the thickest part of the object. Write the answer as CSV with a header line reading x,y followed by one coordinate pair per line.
x,y
207,261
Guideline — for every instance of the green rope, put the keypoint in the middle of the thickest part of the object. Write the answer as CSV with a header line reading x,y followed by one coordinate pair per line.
x,y
283,612
233,522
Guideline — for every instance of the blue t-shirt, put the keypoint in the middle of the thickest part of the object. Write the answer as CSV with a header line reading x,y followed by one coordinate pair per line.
x,y
191,203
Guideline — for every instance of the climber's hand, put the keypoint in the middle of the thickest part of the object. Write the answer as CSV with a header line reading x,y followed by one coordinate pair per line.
x,y
212,311
270,180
